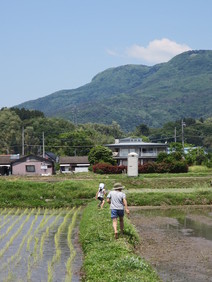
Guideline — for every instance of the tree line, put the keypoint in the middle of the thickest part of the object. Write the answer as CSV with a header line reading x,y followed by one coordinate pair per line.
x,y
63,137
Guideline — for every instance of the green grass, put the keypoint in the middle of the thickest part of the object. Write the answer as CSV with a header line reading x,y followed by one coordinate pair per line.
x,y
22,193
108,259
79,189
199,197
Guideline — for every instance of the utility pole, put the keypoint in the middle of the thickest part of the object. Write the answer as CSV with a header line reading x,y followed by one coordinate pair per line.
x,y
183,124
75,115
43,146
22,141
175,134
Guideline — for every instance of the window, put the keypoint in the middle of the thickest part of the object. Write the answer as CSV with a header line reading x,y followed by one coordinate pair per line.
x,y
30,168
124,152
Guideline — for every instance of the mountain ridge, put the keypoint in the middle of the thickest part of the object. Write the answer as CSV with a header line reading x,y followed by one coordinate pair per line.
x,y
135,94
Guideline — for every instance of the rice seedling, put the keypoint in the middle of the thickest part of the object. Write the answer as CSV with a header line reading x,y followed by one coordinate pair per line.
x,y
50,272
28,271
36,239
71,247
46,233
9,219
38,235
37,230
40,227
4,213
57,254
3,250
13,224
13,257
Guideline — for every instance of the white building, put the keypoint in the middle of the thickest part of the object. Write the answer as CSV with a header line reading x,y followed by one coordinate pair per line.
x,y
147,152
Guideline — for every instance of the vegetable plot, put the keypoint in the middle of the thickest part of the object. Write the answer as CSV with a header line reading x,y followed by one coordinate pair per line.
x,y
36,244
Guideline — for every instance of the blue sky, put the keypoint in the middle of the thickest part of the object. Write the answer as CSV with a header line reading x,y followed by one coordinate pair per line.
x,y
50,45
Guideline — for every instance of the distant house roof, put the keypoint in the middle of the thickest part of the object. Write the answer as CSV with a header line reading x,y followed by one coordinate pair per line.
x,y
51,156
31,157
126,142
5,159
74,160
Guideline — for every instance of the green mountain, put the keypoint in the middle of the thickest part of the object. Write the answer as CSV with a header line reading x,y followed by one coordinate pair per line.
x,y
135,94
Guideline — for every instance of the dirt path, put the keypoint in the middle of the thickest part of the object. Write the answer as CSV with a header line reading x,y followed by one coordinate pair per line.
x,y
175,255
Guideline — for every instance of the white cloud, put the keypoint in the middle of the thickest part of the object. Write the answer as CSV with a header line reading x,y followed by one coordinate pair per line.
x,y
112,52
157,51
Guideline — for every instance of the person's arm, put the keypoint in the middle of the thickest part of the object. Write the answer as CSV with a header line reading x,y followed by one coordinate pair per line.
x,y
97,194
108,198
125,205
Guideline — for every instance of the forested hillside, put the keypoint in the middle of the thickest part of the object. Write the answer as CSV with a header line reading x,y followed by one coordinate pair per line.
x,y
135,94
64,138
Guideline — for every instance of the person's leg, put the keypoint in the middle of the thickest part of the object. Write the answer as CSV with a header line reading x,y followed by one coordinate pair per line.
x,y
121,219
115,227
114,217
100,201
102,204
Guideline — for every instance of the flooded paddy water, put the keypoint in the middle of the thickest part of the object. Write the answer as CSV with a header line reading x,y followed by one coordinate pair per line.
x,y
38,245
177,241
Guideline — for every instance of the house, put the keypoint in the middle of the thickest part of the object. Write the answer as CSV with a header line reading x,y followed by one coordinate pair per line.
x,y
32,165
5,163
147,152
74,164
51,156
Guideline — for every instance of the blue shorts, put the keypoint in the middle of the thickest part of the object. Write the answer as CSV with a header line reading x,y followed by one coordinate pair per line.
x,y
117,213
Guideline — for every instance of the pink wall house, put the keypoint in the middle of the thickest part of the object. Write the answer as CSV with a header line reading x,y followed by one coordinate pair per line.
x,y
32,165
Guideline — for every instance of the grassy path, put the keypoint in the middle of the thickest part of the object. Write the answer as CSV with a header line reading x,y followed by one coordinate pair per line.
x,y
107,259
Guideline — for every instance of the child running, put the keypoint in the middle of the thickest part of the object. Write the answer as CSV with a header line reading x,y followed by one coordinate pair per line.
x,y
100,195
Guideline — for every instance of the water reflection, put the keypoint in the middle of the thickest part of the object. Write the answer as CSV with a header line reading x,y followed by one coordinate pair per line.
x,y
177,242
194,222
195,228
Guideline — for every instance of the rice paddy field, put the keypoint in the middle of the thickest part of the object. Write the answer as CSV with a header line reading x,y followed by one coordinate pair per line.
x,y
41,219
36,244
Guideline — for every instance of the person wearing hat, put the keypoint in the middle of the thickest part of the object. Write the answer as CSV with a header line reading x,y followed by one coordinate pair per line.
x,y
117,201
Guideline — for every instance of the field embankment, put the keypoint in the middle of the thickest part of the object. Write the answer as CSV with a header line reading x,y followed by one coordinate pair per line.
x,y
108,259
79,189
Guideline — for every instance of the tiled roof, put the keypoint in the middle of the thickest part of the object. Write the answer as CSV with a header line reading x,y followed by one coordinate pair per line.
x,y
74,160
5,159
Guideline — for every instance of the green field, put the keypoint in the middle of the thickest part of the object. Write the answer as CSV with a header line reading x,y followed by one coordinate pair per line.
x,y
105,259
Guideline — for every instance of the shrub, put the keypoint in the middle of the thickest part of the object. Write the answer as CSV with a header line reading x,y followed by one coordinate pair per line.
x,y
106,168
164,167
179,166
147,168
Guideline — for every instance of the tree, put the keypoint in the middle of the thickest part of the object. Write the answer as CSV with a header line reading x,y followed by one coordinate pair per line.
x,y
176,147
10,134
27,114
100,154
142,129
76,143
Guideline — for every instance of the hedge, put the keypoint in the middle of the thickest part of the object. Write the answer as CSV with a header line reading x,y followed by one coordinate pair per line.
x,y
151,167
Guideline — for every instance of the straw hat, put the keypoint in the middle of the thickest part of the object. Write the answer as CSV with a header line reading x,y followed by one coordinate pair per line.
x,y
118,186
